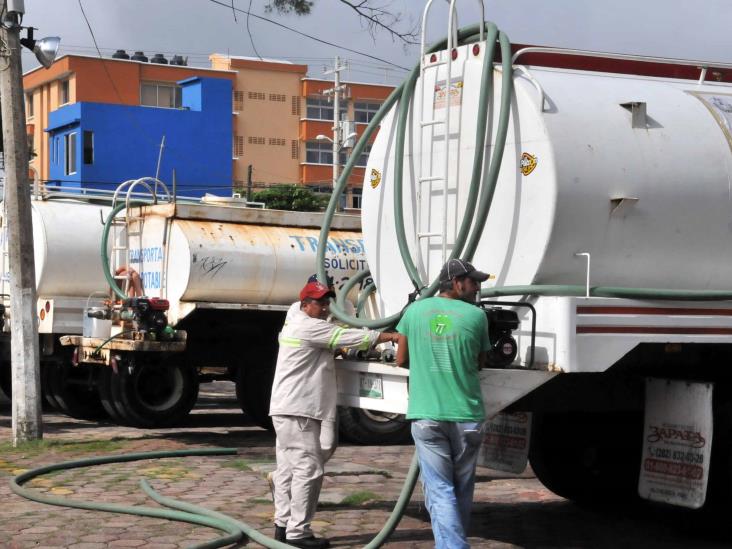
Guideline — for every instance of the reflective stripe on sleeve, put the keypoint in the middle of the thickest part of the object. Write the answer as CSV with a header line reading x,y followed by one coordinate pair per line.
x,y
286,341
365,343
335,338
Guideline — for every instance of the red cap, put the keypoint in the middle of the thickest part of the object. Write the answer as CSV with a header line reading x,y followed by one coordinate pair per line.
x,y
315,290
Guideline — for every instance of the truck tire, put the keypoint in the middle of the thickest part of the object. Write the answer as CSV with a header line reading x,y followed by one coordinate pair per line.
x,y
372,427
254,390
73,390
157,394
107,387
590,458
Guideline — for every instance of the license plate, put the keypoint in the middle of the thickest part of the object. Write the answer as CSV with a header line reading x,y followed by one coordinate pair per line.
x,y
371,386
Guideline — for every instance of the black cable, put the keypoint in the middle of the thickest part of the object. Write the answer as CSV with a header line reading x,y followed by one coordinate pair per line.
x,y
251,38
310,36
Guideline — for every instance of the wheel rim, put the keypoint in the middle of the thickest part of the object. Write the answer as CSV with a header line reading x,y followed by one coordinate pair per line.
x,y
159,388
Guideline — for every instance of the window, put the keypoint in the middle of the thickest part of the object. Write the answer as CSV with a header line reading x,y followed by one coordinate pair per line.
x,y
281,98
295,149
70,159
364,158
88,147
29,105
255,140
296,105
259,96
356,200
319,108
63,92
364,111
321,153
161,94
238,100
238,146
277,141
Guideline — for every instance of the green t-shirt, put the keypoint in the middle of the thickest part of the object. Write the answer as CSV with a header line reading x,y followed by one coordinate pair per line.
x,y
444,337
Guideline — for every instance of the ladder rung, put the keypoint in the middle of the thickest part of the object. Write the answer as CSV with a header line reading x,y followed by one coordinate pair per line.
x,y
424,123
428,235
430,178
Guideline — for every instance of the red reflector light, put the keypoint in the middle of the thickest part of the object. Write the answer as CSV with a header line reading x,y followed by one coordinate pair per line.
x,y
433,58
454,54
476,49
48,306
42,314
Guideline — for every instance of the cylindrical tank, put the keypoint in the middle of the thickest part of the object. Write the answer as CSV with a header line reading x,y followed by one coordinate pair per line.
x,y
139,56
193,260
633,170
66,239
120,54
159,58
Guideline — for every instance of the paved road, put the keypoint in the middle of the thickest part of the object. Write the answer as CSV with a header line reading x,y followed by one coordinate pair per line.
x,y
360,488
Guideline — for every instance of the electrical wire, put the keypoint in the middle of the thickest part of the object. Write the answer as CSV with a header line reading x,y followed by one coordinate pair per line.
x,y
218,2
251,38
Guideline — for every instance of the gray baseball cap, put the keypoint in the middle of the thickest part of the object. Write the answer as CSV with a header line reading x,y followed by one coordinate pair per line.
x,y
457,267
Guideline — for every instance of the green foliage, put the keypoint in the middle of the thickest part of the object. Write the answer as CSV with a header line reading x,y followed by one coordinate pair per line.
x,y
291,197
359,498
300,7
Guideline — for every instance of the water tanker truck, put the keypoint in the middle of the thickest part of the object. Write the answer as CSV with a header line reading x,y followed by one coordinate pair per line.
x,y
601,203
221,277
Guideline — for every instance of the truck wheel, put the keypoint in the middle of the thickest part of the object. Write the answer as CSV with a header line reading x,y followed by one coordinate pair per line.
x,y
590,458
158,394
74,390
372,427
107,381
253,391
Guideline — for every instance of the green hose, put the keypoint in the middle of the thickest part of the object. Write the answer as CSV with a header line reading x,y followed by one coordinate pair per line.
x,y
187,512
234,533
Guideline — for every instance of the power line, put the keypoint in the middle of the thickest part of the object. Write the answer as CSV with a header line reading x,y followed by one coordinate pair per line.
x,y
309,35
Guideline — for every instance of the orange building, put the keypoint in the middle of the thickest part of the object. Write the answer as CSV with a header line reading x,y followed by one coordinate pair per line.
x,y
277,111
77,78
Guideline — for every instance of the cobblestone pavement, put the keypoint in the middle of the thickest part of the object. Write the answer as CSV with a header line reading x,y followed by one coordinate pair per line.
x,y
361,486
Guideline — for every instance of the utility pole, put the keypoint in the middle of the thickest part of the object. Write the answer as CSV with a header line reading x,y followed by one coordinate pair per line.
x,y
336,92
249,183
27,418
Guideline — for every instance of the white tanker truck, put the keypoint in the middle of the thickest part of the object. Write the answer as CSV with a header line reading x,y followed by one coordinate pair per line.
x,y
601,202
227,275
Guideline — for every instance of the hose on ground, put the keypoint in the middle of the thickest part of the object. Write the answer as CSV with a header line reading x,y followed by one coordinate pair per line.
x,y
187,512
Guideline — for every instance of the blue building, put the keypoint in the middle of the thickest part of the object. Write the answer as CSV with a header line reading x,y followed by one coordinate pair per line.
x,y
100,145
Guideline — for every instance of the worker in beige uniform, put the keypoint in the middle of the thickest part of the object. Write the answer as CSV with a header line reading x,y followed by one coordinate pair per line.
x,y
304,395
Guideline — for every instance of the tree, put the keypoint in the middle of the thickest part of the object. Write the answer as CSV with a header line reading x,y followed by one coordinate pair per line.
x,y
376,16
291,197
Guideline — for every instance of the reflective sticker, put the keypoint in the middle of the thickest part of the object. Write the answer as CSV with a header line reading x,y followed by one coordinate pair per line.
x,y
528,163
375,178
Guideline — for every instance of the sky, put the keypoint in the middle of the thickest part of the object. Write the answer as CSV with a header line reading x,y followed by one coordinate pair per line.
x,y
196,28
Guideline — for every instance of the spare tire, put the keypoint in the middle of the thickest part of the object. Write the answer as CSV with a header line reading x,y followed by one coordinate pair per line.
x,y
372,427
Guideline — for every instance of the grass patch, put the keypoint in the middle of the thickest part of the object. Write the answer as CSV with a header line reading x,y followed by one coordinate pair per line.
x,y
37,447
359,498
238,464
260,501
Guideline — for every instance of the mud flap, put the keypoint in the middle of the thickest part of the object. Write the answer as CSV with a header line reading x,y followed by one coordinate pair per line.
x,y
505,445
677,442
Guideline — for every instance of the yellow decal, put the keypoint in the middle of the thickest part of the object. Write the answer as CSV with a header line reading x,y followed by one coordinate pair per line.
x,y
528,163
375,178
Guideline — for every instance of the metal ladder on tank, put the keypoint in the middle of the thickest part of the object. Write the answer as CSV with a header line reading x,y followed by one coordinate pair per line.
x,y
429,125
121,228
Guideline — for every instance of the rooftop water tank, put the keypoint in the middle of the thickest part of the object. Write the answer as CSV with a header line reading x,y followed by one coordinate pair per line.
x,y
178,60
159,59
120,54
139,56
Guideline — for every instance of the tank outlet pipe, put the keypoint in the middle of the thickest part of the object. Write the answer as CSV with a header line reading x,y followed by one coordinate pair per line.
x,y
187,512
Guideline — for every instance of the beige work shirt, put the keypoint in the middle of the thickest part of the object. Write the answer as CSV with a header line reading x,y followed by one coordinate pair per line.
x,y
305,379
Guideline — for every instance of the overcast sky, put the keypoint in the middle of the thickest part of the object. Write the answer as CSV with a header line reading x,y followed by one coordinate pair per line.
x,y
196,28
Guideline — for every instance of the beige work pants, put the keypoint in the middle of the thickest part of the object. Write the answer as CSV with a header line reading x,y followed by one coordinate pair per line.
x,y
303,446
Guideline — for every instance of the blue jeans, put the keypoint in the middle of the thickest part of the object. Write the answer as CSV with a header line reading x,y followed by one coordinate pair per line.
x,y
448,452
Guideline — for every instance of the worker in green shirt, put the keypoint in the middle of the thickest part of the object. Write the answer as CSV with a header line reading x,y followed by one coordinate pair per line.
x,y
444,339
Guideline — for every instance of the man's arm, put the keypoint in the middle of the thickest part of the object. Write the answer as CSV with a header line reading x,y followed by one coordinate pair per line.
x,y
402,356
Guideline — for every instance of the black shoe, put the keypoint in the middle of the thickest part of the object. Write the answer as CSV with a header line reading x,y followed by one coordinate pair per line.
x,y
309,543
280,533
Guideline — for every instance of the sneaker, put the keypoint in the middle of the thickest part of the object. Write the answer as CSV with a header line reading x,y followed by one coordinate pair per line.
x,y
309,543
280,533
270,481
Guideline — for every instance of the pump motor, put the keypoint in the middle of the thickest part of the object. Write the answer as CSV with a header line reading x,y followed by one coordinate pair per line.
x,y
501,322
